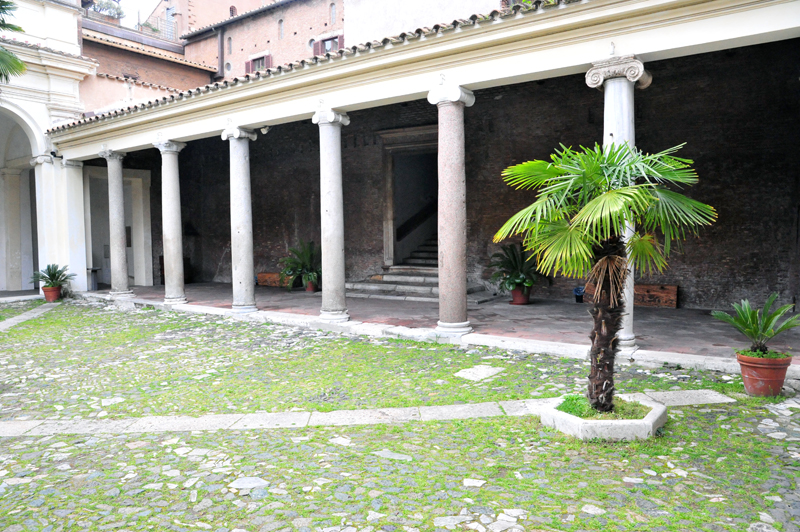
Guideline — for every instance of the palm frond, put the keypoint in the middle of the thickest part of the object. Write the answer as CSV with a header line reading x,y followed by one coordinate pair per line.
x,y
606,214
646,253
561,248
674,214
615,269
10,66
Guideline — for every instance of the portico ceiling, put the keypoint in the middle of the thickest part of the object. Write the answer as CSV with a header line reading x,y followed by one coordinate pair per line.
x,y
484,51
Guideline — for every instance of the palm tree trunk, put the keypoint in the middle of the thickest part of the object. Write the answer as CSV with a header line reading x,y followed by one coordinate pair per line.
x,y
606,314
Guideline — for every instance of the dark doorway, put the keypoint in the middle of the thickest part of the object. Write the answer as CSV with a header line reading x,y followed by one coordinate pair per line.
x,y
415,201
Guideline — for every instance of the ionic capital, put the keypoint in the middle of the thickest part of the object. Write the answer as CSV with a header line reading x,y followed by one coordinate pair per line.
x,y
626,66
450,93
109,155
169,146
233,132
329,116
41,159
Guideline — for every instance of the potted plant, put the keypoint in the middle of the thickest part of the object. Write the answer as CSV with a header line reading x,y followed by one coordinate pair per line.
x,y
53,278
763,370
304,264
515,271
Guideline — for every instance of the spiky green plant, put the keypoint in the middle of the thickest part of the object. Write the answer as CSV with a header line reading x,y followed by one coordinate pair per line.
x,y
759,326
10,64
585,199
53,276
515,269
305,263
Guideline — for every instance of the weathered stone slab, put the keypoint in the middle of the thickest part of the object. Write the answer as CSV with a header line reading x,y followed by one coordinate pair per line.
x,y
690,397
364,417
183,423
272,420
25,316
16,428
386,453
469,411
81,426
478,373
525,407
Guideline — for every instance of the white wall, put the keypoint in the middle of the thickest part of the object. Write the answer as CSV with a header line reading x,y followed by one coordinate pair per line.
x,y
370,20
47,24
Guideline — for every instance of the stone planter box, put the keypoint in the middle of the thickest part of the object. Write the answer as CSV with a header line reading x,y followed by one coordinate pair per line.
x,y
609,430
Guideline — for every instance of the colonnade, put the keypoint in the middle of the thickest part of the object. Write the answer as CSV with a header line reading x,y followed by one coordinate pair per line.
x,y
616,76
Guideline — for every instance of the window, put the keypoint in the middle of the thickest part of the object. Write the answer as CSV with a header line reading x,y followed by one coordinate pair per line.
x,y
329,45
258,64
280,29
333,14
230,45
233,11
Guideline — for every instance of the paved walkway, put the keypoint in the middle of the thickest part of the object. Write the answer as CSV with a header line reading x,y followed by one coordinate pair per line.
x,y
19,295
336,418
25,316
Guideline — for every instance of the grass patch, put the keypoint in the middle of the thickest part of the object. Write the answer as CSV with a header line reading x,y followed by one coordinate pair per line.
x,y
578,406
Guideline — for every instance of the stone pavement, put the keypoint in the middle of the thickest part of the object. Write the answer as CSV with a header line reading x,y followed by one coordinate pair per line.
x,y
25,316
336,418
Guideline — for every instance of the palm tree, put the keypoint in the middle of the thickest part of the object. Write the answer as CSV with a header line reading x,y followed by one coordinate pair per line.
x,y
10,64
585,199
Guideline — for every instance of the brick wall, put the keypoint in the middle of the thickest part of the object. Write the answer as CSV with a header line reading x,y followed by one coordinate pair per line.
x,y
736,109
118,62
302,22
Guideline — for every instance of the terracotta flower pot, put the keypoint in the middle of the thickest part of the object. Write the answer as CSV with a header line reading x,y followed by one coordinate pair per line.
x,y
311,287
763,377
51,293
521,296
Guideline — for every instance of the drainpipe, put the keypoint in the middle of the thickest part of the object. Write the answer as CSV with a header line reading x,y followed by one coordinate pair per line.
x,y
220,53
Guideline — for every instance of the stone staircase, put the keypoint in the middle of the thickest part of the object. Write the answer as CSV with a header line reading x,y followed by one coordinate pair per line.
x,y
416,279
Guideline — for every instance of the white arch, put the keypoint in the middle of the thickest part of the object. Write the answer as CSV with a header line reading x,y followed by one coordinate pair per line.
x,y
33,130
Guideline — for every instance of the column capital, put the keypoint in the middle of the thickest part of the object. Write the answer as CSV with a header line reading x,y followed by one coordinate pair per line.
x,y
41,159
111,154
68,163
169,146
329,116
625,66
450,93
233,132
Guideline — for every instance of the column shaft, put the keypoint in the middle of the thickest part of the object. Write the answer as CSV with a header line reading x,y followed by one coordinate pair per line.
x,y
174,292
116,227
334,304
13,242
452,224
243,270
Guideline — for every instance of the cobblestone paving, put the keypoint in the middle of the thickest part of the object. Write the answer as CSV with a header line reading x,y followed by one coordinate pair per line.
x,y
9,310
716,467
86,359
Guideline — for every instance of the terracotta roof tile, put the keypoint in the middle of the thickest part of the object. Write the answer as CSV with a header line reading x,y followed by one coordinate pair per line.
x,y
167,57
4,40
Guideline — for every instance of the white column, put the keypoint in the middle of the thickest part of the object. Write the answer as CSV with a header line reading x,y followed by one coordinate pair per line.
x,y
243,267
617,77
172,226
72,237
141,234
334,304
452,225
45,175
12,235
87,224
116,224
26,229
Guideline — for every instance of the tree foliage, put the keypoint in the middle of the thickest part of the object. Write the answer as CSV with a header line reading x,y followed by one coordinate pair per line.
x,y
109,7
10,64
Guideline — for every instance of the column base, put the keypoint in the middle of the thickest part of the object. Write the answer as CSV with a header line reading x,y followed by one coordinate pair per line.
x,y
453,329
243,309
626,342
334,316
126,294
175,301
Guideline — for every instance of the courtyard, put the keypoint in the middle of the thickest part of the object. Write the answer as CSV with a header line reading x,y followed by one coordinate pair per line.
x,y
145,419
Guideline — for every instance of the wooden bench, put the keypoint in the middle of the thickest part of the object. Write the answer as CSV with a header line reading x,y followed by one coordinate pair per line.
x,y
646,295
270,279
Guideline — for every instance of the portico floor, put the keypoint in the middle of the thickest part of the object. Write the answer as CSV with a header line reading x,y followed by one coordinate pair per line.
x,y
687,331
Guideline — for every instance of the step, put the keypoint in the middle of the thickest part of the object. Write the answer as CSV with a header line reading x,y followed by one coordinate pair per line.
x,y
421,262
475,298
424,255
407,269
432,248
405,288
405,278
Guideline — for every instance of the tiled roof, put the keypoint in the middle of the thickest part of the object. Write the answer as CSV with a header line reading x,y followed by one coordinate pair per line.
x,y
330,57
26,44
230,20
137,82
120,44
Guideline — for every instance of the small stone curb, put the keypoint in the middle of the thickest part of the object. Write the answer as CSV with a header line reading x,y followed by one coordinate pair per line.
x,y
25,316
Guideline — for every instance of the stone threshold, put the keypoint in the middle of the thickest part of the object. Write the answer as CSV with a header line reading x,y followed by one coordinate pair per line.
x,y
641,357
17,299
25,316
336,418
